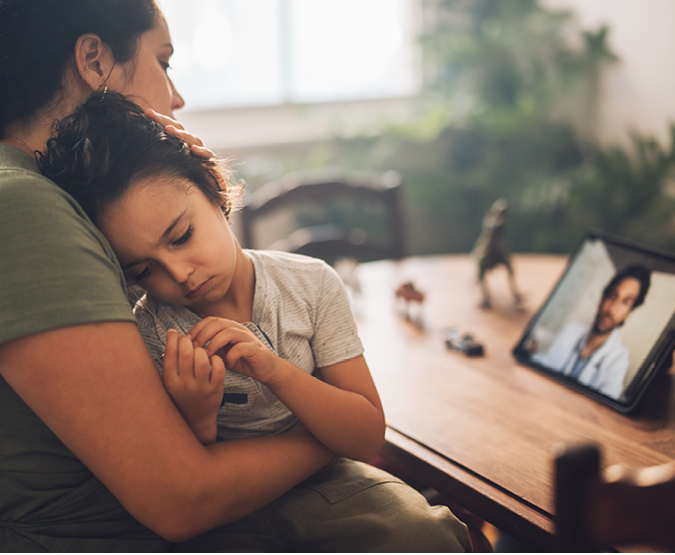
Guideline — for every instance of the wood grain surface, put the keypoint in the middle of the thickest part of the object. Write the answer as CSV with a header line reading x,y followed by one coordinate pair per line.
x,y
483,430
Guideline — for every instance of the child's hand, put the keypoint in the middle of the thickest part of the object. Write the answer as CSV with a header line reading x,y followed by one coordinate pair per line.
x,y
195,382
241,350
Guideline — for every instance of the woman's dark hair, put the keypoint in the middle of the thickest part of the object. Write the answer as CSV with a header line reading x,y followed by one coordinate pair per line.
x,y
107,144
636,271
37,40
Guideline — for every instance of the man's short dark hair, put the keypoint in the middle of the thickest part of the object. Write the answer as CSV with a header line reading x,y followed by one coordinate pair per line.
x,y
635,271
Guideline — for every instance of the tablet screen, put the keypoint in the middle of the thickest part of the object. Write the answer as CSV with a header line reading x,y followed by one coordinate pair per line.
x,y
609,324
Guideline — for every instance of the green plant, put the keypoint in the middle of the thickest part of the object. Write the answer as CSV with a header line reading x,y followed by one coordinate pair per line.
x,y
509,110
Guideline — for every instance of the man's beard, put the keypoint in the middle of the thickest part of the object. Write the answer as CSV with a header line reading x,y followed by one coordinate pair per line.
x,y
595,329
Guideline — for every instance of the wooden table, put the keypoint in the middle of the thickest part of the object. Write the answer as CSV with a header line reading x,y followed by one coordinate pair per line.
x,y
483,430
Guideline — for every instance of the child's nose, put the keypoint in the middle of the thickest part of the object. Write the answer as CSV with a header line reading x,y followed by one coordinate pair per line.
x,y
179,272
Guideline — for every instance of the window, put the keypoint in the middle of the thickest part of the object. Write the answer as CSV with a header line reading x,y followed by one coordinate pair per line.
x,y
231,53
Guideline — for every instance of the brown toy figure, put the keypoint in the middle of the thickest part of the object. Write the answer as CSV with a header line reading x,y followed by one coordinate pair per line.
x,y
409,294
490,250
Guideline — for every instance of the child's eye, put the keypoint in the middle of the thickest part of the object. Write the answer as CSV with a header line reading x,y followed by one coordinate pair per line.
x,y
184,238
138,277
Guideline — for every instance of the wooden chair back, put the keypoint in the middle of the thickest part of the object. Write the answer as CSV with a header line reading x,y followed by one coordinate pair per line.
x,y
343,217
597,511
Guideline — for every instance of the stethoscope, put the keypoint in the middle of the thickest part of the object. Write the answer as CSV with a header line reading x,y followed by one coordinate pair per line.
x,y
576,354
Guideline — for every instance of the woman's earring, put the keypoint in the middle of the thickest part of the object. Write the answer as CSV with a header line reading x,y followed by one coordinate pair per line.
x,y
105,89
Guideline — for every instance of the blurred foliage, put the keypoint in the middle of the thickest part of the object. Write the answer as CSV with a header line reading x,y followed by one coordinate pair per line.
x,y
511,96
627,193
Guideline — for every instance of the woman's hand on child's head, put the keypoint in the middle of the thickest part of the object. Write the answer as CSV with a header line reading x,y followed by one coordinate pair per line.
x,y
172,127
241,350
194,380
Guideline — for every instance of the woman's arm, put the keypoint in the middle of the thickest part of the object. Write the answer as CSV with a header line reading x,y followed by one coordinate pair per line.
x,y
98,390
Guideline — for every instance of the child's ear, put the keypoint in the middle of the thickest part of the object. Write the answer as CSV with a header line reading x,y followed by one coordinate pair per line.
x,y
94,60
225,207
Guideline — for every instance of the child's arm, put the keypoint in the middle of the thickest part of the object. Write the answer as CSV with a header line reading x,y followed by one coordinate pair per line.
x,y
342,410
194,381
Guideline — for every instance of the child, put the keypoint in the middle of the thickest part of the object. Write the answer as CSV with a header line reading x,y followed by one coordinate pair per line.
x,y
280,323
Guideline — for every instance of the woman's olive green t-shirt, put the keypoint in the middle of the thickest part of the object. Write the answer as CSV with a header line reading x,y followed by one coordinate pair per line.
x,y
56,270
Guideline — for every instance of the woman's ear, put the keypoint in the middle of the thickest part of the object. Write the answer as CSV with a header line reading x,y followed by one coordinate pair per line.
x,y
94,60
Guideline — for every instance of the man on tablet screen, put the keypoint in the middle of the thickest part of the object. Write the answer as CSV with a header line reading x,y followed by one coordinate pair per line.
x,y
594,354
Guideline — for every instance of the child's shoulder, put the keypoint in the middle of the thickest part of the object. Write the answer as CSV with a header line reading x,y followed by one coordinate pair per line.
x,y
285,261
289,270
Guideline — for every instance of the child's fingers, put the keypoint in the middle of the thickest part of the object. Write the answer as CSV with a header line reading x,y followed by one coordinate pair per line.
x,y
222,340
217,371
170,372
208,328
202,366
171,347
229,337
185,356
199,327
238,351
170,359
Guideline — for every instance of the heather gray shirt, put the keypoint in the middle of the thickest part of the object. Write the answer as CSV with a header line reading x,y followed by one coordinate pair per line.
x,y
300,310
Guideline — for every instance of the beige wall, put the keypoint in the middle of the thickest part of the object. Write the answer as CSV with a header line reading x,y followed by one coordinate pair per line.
x,y
639,91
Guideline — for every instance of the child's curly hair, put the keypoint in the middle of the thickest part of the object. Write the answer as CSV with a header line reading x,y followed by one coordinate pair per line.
x,y
107,145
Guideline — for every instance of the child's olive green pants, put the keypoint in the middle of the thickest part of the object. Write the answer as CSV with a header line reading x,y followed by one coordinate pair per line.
x,y
349,507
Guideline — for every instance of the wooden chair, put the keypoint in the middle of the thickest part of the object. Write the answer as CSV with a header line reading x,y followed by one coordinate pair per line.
x,y
333,217
619,507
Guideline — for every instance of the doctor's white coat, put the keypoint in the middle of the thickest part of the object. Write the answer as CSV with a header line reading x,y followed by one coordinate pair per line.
x,y
605,369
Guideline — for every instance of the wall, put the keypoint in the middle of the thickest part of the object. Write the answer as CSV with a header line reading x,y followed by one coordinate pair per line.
x,y
639,91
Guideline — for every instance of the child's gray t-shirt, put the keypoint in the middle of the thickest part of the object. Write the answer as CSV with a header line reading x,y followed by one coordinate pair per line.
x,y
300,310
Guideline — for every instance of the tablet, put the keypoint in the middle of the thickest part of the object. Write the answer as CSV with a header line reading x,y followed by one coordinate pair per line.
x,y
608,326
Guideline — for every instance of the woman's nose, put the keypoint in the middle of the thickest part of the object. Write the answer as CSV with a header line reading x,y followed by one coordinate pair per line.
x,y
177,101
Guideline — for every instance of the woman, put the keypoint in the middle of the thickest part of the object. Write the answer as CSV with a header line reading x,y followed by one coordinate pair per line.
x,y
94,455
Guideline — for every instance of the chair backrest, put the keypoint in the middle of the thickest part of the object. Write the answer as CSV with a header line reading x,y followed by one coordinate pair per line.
x,y
619,507
331,217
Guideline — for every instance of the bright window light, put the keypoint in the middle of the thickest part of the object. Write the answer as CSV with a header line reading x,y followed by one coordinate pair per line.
x,y
231,53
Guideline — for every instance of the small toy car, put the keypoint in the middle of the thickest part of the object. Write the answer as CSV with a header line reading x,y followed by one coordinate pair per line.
x,y
466,344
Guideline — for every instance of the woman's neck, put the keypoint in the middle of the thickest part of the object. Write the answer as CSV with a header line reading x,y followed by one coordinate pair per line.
x,y
26,144
31,136
32,133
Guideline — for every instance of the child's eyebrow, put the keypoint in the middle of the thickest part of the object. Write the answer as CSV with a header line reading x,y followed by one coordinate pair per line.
x,y
166,233
170,228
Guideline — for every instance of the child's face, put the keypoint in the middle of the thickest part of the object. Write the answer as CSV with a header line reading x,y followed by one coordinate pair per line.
x,y
172,241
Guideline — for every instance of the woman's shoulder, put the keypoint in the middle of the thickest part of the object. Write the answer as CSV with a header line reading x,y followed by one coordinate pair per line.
x,y
17,169
24,188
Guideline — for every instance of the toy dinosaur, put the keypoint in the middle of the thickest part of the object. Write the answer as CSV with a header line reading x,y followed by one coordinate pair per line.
x,y
491,251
